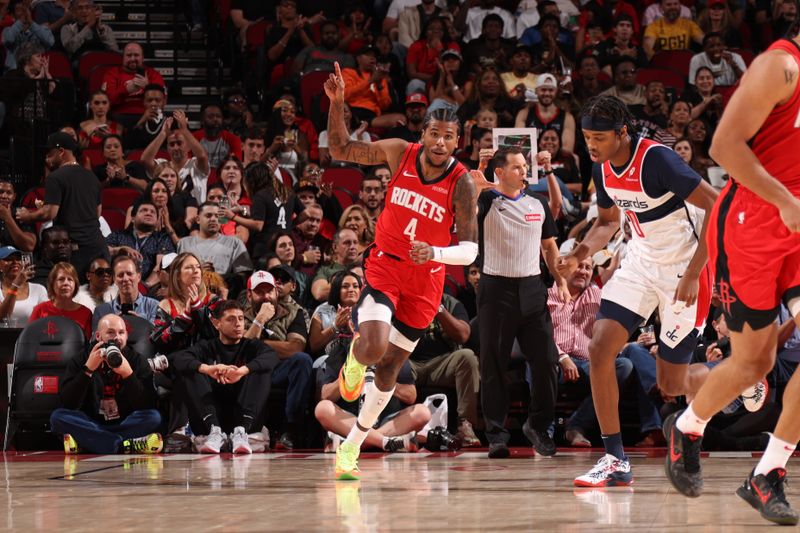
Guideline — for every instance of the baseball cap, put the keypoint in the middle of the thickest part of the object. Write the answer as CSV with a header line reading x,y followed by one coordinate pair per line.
x,y
417,98
521,48
450,52
546,80
282,272
63,140
258,278
6,251
167,259
368,49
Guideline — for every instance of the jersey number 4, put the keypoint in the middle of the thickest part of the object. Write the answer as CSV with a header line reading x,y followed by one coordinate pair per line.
x,y
411,229
633,220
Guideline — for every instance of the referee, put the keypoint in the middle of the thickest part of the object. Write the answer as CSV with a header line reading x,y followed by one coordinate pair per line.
x,y
515,227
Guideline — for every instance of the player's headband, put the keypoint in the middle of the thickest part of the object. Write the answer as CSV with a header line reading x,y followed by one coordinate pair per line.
x,y
599,124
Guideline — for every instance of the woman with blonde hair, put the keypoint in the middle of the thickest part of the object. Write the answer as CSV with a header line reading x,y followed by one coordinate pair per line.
x,y
176,208
184,316
356,218
62,286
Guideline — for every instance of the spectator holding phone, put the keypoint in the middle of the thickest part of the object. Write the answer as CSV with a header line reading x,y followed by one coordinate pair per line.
x,y
129,301
125,85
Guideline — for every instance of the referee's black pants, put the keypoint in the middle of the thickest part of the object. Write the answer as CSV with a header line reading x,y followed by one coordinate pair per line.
x,y
510,308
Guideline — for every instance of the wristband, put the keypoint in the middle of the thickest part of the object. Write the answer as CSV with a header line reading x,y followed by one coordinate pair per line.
x,y
87,371
562,357
259,324
546,172
11,292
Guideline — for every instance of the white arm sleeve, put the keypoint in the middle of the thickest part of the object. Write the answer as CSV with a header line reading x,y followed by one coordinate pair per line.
x,y
463,253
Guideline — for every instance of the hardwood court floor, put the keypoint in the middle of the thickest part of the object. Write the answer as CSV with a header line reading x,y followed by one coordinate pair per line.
x,y
295,492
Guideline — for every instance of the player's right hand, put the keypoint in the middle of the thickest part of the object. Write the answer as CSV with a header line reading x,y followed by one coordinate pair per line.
x,y
334,85
790,214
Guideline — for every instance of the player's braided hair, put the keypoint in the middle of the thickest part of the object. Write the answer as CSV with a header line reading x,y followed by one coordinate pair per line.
x,y
610,108
443,115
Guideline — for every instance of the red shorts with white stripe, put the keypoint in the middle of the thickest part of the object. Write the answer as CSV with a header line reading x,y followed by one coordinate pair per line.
x,y
756,259
414,291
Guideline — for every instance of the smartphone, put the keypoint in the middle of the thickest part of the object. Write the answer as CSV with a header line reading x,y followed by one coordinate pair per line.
x,y
27,259
126,309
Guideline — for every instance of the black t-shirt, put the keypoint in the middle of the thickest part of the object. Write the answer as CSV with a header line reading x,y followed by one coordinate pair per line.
x,y
402,132
5,234
292,48
648,125
134,169
434,343
333,365
608,54
76,192
255,9
275,214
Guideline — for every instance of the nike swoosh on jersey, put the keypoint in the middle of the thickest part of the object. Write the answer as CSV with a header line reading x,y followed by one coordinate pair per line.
x,y
405,173
435,270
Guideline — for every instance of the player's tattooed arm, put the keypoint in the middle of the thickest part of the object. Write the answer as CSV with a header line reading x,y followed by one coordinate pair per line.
x,y
790,75
340,145
465,199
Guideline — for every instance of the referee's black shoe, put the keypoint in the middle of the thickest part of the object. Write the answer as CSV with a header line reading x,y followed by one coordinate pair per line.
x,y
498,450
541,440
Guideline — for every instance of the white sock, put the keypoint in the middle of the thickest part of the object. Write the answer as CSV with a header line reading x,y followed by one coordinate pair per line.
x,y
775,456
375,401
690,423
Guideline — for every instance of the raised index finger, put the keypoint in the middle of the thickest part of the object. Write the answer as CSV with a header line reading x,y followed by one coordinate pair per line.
x,y
337,69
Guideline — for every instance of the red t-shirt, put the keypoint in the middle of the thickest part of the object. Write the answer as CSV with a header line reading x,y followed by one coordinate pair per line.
x,y
82,316
425,58
122,102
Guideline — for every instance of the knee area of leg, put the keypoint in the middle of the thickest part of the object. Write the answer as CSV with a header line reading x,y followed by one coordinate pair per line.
x,y
624,367
302,359
370,351
323,409
421,414
672,386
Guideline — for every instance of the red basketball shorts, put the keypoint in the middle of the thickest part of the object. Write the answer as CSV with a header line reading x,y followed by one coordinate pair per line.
x,y
756,259
413,291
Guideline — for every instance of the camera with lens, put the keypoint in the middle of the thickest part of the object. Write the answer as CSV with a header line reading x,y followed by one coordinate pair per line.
x,y
441,440
113,354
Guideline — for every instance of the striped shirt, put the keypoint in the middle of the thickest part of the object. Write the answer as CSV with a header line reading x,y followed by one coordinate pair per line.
x,y
511,231
573,321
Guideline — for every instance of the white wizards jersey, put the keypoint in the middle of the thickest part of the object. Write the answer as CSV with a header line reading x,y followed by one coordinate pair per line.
x,y
650,191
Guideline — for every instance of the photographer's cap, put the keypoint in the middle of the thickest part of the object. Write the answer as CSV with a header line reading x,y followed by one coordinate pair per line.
x,y
258,278
7,251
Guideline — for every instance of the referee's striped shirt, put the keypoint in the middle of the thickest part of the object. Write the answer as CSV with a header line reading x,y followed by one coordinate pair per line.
x,y
511,231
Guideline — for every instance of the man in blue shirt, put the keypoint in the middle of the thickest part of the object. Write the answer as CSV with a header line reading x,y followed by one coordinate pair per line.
x,y
129,301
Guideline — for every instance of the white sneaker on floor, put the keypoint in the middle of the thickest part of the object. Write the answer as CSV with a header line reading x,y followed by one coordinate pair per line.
x,y
214,441
755,397
259,442
239,443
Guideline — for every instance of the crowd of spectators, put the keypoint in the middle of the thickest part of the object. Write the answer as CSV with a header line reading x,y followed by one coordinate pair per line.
x,y
234,235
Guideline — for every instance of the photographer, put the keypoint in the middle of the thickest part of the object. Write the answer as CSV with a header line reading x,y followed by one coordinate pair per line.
x,y
226,381
108,398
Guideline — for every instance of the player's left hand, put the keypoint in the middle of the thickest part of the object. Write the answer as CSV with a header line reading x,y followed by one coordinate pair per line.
x,y
480,181
687,290
421,252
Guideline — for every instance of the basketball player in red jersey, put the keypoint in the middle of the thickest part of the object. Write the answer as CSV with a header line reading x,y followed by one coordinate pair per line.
x,y
754,246
428,191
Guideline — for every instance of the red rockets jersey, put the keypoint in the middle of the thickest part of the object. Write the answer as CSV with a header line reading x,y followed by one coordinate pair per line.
x,y
776,142
415,210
